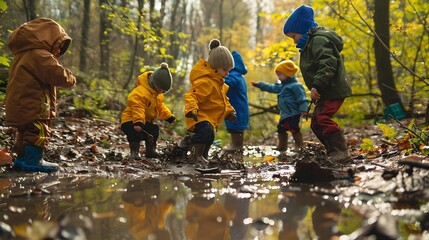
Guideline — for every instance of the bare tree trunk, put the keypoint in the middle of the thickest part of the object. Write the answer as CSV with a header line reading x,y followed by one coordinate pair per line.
x,y
137,41
382,56
193,24
83,53
221,20
30,7
174,28
155,19
105,28
259,6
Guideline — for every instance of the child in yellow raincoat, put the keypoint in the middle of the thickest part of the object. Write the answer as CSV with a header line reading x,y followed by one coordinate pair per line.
x,y
145,105
206,103
146,209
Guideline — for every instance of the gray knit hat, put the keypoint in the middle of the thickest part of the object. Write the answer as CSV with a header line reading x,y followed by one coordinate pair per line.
x,y
219,56
162,77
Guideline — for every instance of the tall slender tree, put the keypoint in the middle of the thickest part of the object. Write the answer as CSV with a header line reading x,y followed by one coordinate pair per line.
x,y
138,39
105,28
30,9
83,53
385,79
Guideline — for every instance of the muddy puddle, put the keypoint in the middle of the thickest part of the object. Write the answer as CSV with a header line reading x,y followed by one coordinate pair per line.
x,y
260,202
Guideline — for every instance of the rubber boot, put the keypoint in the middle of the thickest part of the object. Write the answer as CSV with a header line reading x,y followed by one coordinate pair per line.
x,y
299,143
135,150
32,161
151,149
197,153
206,151
237,140
282,144
339,150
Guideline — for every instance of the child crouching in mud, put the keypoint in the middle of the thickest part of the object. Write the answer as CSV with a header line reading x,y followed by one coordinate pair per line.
x,y
145,105
206,103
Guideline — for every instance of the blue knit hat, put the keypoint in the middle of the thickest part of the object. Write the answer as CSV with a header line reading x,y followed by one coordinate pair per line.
x,y
300,21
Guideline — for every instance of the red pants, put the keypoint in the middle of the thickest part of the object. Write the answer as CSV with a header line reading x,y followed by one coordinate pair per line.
x,y
321,121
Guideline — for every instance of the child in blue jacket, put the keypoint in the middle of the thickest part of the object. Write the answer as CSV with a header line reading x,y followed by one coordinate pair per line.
x,y
292,103
237,94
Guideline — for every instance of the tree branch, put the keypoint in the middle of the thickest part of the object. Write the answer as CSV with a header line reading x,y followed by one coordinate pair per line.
x,y
384,45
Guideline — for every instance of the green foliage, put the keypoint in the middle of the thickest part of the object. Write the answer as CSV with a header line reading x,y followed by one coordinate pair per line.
x,y
182,39
367,144
388,131
4,60
3,5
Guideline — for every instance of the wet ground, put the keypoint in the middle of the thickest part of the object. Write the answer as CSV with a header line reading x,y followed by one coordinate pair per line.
x,y
99,194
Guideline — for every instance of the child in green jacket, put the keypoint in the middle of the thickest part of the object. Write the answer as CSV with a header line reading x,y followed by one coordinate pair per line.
x,y
323,70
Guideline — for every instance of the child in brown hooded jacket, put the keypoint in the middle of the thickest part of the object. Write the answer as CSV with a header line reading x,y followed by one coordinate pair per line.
x,y
31,90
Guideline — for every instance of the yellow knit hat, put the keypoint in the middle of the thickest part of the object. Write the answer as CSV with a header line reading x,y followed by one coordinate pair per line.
x,y
287,67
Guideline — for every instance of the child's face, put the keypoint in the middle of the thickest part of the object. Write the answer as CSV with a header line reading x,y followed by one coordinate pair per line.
x,y
57,51
157,88
223,72
281,76
294,36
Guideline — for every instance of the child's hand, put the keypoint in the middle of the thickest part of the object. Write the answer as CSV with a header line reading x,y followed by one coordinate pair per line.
x,y
171,120
314,94
254,83
137,128
303,114
231,117
192,114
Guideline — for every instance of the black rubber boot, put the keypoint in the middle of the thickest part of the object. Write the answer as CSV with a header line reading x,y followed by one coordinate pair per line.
x,y
197,153
237,140
339,150
150,149
299,143
135,150
282,144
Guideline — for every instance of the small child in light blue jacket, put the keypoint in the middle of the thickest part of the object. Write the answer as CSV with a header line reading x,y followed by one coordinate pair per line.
x,y
292,102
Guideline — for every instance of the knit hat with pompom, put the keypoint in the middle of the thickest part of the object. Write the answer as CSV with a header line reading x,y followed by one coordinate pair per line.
x,y
219,56
162,77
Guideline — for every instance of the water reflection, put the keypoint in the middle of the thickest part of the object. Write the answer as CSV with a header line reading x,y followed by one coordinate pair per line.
x,y
174,207
146,209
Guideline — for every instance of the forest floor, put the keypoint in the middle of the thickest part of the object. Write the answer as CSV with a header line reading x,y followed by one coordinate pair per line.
x,y
93,147
86,145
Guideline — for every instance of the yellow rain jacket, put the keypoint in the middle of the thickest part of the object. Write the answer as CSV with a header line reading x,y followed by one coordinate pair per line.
x,y
207,96
144,103
207,222
147,219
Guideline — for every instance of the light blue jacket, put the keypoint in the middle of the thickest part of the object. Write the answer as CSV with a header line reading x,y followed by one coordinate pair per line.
x,y
291,96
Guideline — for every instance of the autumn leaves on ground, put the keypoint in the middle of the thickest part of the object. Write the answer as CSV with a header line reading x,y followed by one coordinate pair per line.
x,y
103,149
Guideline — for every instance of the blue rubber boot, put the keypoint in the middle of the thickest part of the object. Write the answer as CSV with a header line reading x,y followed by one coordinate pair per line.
x,y
32,161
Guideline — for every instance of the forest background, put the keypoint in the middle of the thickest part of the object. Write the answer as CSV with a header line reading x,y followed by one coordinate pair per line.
x,y
385,50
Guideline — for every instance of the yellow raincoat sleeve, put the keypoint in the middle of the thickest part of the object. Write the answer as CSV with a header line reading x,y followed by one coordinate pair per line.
x,y
164,111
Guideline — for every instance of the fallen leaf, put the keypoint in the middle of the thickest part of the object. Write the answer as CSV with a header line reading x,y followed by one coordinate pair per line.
x,y
5,158
269,158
